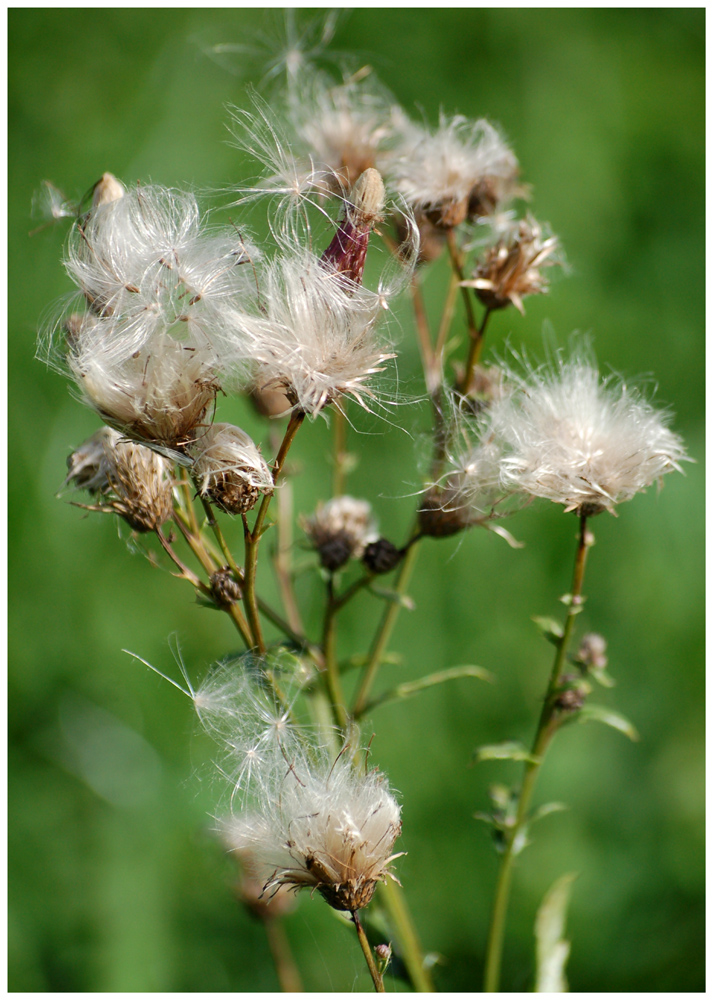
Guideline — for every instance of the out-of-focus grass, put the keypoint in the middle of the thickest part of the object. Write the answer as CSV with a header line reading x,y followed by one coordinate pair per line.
x,y
114,883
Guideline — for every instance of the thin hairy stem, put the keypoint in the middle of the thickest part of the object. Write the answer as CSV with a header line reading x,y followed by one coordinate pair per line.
x,y
283,559
546,729
215,528
383,634
457,265
430,374
368,954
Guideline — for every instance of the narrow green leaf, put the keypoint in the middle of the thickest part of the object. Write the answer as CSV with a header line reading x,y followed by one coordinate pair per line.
x,y
551,949
598,713
391,595
551,629
602,677
509,750
411,688
545,810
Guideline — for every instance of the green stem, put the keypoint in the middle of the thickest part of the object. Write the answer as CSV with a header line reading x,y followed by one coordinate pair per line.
x,y
409,946
215,527
368,954
475,350
285,967
329,646
252,538
457,265
381,639
546,730
196,545
339,456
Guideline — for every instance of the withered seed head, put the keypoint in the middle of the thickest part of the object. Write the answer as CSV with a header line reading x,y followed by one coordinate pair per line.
x,y
127,479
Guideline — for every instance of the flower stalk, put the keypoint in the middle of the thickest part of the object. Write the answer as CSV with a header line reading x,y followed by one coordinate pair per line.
x,y
546,729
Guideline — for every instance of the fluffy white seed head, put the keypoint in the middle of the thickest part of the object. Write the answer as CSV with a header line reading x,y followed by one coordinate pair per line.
x,y
343,127
320,825
230,469
159,394
315,336
577,439
149,260
461,169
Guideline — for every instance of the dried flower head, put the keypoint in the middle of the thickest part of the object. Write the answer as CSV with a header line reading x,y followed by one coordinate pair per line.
x,y
320,824
126,478
461,170
340,530
230,469
87,466
576,439
512,268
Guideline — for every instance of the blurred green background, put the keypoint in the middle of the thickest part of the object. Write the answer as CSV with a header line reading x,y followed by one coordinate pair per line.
x,y
115,882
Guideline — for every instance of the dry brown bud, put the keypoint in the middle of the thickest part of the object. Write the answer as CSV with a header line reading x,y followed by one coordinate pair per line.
x,y
224,587
440,515
382,556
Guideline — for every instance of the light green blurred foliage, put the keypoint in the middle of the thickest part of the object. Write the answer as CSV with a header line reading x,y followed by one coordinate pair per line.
x,y
115,883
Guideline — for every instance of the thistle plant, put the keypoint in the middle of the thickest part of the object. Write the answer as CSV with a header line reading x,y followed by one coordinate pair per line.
x,y
173,312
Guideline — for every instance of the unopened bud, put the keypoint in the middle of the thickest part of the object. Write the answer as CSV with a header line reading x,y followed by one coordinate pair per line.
x,y
346,254
437,518
106,190
592,651
340,530
382,953
367,198
224,587
382,556
571,699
